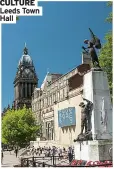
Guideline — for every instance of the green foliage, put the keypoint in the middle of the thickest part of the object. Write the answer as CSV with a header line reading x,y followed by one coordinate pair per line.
x,y
17,18
109,3
19,127
105,56
109,18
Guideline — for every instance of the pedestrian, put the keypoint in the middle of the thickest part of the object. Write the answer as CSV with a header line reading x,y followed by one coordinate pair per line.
x,y
70,154
2,156
59,153
16,152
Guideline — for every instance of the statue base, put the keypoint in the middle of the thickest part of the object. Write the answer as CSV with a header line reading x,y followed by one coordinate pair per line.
x,y
96,90
95,150
96,69
84,136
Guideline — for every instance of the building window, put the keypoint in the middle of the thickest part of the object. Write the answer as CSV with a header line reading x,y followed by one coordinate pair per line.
x,y
43,103
54,97
46,101
50,100
63,93
58,95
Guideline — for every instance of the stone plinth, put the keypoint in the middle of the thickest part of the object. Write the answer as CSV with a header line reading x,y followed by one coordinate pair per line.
x,y
93,150
86,58
97,91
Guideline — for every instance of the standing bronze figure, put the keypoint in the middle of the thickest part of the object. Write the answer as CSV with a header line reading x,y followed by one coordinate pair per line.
x,y
86,110
83,118
92,44
86,115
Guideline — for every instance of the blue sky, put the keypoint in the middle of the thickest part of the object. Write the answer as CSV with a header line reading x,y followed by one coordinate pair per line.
x,y
54,40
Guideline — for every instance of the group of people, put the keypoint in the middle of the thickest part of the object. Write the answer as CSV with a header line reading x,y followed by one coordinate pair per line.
x,y
52,151
47,152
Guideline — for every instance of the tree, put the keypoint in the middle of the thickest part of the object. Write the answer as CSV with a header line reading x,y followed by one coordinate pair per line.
x,y
19,127
109,18
105,56
17,18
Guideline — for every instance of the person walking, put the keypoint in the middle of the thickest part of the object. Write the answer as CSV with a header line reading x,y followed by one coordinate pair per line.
x,y
70,154
2,156
16,152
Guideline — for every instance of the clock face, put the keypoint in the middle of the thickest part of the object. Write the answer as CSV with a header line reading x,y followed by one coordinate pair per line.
x,y
27,73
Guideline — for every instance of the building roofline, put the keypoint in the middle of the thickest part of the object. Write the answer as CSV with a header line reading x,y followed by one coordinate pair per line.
x,y
66,73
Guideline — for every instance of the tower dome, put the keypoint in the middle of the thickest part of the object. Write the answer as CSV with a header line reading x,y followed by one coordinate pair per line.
x,y
25,81
25,59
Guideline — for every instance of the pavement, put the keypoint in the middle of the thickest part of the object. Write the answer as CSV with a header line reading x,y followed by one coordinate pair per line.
x,y
47,160
9,159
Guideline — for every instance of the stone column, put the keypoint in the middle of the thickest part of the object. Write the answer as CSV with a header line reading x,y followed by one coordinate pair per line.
x,y
18,90
15,91
22,90
30,89
25,89
33,88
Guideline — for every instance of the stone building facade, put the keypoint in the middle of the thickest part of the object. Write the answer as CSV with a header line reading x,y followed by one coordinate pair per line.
x,y
56,105
25,81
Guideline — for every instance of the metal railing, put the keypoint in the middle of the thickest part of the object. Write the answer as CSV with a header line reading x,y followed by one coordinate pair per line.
x,y
51,161
43,161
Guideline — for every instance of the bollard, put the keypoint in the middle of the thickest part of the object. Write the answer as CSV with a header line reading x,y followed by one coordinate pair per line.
x,y
53,159
34,164
43,164
27,163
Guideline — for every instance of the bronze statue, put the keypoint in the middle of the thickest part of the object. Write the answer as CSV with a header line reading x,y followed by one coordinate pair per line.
x,y
92,44
83,118
86,110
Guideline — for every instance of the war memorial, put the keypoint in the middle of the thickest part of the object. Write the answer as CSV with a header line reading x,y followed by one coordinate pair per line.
x,y
90,131
74,110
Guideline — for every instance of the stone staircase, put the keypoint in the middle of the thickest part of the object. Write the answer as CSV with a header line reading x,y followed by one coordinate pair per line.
x,y
47,143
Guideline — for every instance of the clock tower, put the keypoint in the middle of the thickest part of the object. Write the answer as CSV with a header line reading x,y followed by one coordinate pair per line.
x,y
25,81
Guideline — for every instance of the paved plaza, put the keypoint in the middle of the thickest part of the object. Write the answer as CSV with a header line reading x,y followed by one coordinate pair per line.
x,y
9,159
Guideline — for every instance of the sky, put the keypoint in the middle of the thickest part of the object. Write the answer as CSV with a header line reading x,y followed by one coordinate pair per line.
x,y
54,40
